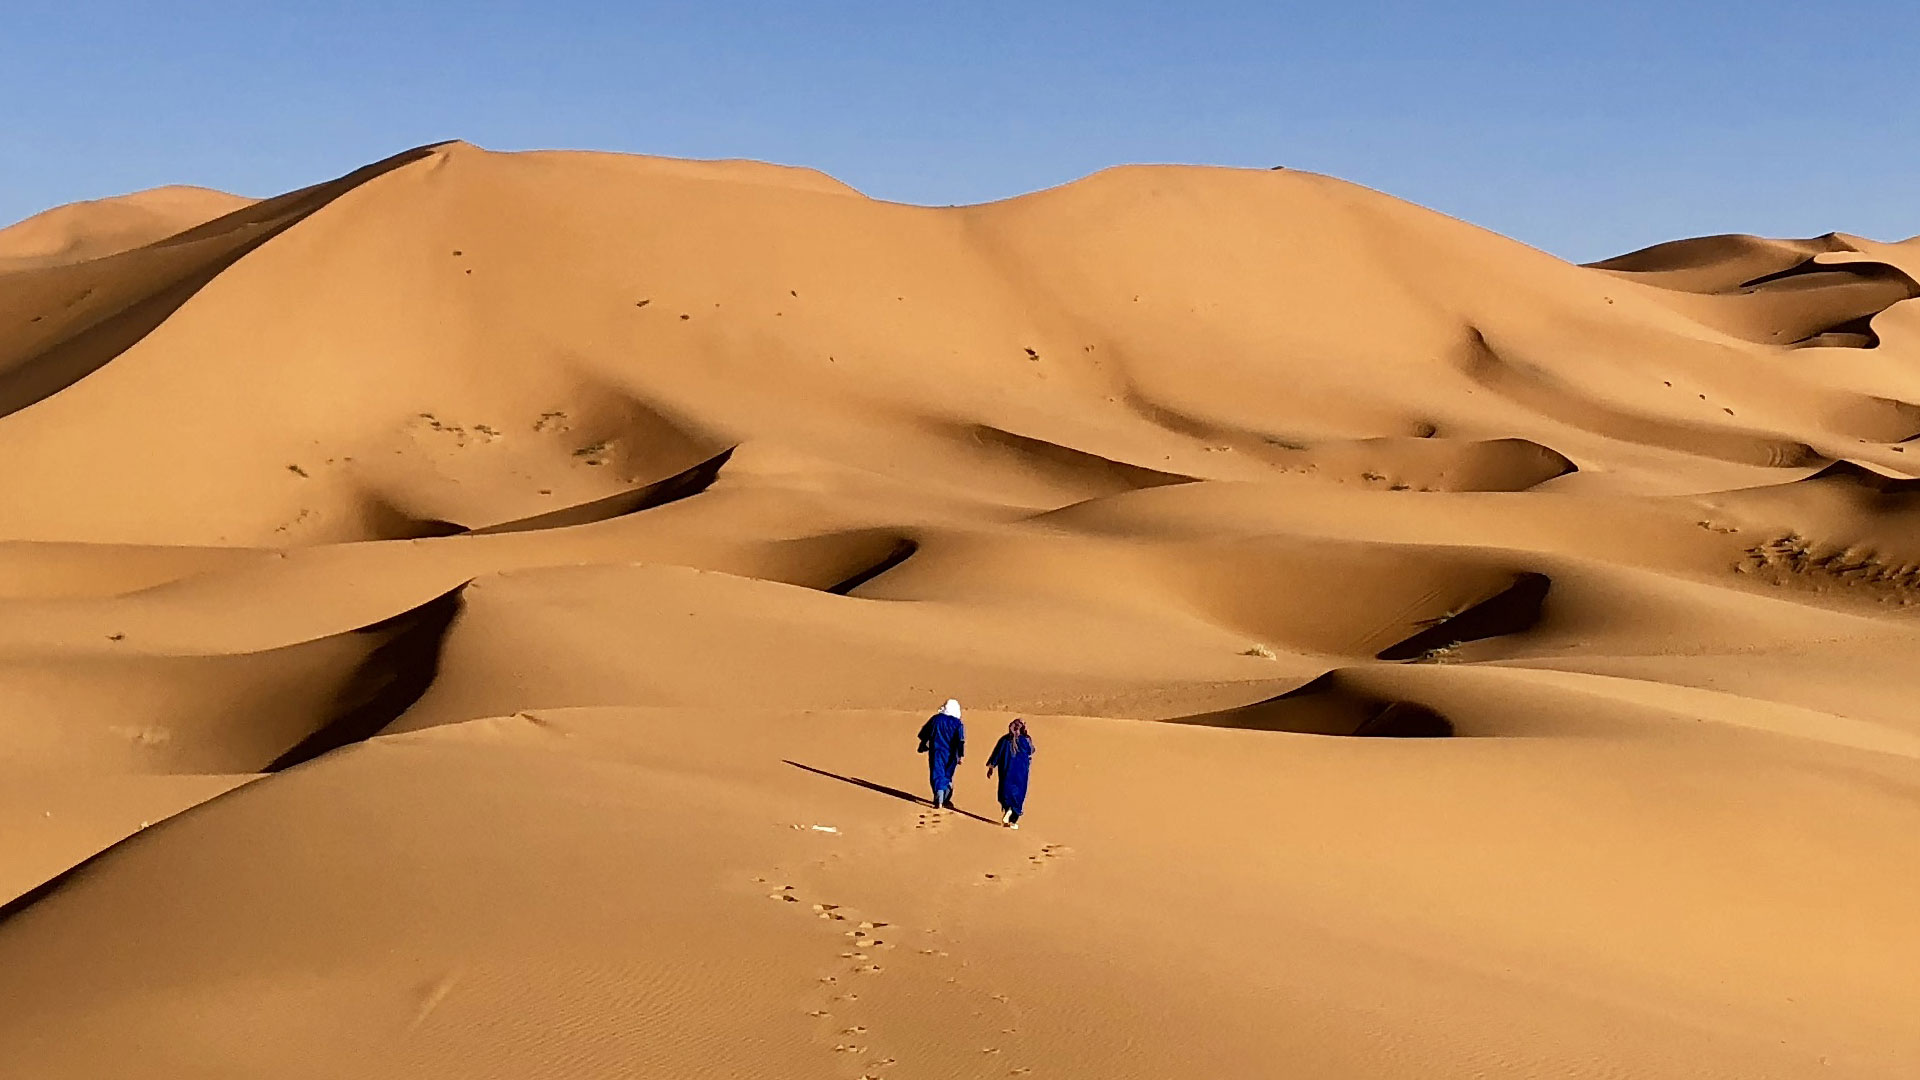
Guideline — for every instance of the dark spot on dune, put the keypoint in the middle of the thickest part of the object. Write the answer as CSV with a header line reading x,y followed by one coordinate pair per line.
x,y
681,485
1510,611
116,637
1331,705
297,470
903,549
684,316
394,675
1848,474
641,303
457,253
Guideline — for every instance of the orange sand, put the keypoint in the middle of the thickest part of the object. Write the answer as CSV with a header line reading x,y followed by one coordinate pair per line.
x,y
446,599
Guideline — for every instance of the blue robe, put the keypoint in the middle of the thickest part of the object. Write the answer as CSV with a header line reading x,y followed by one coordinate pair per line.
x,y
1013,758
944,740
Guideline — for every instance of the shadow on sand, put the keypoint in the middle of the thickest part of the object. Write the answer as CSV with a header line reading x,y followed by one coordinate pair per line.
x,y
883,789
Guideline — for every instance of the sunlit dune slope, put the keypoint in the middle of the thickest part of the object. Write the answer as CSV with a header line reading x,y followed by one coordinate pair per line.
x,y
528,573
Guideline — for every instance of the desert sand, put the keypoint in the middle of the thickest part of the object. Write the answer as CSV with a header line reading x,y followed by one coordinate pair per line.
x,y
471,619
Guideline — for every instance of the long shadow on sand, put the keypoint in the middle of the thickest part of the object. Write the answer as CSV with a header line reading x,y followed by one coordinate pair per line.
x,y
882,789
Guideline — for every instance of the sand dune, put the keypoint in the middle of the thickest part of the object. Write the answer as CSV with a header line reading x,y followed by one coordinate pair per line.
x,y
79,232
438,605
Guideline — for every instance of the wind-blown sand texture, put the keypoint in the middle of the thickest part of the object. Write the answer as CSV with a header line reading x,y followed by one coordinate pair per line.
x,y
437,605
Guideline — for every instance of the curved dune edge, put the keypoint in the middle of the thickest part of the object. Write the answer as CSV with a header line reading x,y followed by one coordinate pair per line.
x,y
1513,610
1081,472
1330,705
78,232
394,675
681,485
230,713
124,304
1854,474
1535,389
1432,463
1819,293
1717,263
902,550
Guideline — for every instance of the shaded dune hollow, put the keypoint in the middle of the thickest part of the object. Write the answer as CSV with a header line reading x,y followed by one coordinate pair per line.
x,y
1432,463
1536,388
1830,305
1331,705
395,674
1723,263
1794,293
681,485
1075,474
902,549
1850,475
1514,609
221,713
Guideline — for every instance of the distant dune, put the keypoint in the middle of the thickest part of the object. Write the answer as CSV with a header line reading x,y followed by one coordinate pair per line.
x,y
81,231
438,605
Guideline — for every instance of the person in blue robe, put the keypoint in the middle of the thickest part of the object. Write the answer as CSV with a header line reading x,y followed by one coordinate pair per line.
x,y
1013,756
943,738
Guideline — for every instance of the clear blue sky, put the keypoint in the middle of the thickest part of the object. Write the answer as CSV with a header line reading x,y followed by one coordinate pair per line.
x,y
1583,128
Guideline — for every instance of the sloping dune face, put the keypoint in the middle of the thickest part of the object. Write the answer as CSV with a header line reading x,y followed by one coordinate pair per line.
x,y
472,618
79,232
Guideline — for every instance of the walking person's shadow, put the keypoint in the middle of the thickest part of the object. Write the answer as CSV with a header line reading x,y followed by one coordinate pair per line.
x,y
883,789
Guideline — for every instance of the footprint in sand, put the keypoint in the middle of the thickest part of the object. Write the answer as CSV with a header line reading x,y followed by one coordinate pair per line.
x,y
1047,851
857,956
